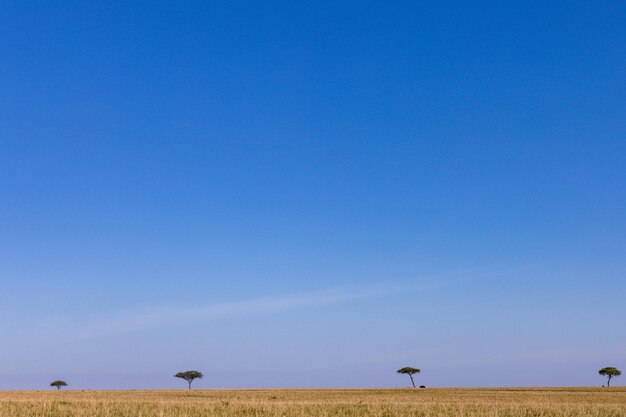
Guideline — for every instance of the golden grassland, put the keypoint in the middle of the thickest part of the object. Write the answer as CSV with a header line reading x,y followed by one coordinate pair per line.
x,y
430,402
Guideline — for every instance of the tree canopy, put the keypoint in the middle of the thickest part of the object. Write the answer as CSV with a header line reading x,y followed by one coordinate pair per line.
x,y
189,376
610,372
408,370
58,384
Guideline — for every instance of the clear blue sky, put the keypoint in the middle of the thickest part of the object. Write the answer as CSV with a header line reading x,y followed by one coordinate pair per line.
x,y
312,193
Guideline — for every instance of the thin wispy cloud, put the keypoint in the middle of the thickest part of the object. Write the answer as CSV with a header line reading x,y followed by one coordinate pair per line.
x,y
170,316
131,321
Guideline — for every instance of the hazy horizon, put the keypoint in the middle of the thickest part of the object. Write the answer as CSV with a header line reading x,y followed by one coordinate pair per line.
x,y
312,194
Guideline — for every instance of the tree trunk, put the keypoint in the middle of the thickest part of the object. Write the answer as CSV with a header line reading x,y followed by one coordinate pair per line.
x,y
58,388
412,382
189,382
608,383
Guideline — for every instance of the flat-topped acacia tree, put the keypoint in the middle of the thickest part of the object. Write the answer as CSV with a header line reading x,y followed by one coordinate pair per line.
x,y
610,372
189,376
407,370
58,384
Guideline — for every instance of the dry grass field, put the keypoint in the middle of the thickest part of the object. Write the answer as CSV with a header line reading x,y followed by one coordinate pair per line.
x,y
449,402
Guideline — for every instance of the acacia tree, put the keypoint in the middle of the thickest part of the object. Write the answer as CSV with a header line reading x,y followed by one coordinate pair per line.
x,y
610,372
189,376
407,370
58,384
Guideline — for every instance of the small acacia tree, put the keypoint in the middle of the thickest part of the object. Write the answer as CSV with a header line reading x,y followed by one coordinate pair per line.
x,y
189,376
407,370
58,384
610,372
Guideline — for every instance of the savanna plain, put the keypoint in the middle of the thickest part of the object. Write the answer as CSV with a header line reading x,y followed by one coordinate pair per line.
x,y
430,402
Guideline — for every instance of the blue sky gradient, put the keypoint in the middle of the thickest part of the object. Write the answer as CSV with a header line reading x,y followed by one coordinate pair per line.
x,y
312,194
